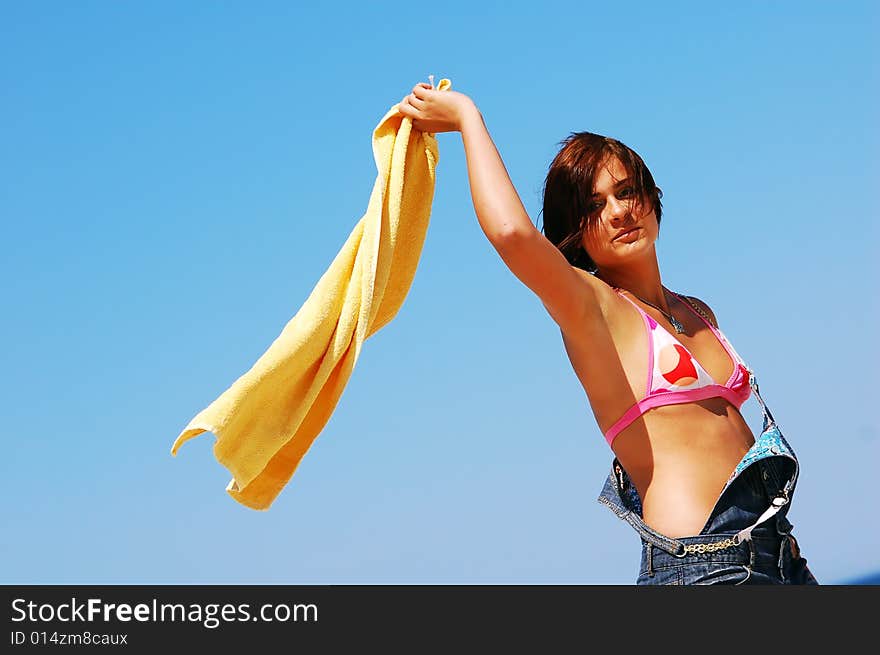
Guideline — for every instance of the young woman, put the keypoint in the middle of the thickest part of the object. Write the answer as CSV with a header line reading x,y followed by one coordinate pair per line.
x,y
708,500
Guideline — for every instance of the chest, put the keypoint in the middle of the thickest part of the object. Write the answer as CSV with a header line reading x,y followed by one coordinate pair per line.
x,y
618,367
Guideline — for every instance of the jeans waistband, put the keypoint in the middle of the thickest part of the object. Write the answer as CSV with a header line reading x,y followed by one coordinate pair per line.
x,y
761,552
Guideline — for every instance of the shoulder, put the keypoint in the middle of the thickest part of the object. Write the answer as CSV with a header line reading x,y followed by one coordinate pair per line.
x,y
703,308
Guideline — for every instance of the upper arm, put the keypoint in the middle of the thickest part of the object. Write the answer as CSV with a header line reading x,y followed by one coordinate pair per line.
x,y
572,298
708,310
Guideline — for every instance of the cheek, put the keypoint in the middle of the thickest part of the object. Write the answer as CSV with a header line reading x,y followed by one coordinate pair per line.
x,y
649,220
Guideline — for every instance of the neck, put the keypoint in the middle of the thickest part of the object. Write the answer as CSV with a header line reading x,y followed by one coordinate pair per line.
x,y
641,278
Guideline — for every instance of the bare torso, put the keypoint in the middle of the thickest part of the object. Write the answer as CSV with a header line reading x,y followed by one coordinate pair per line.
x,y
678,456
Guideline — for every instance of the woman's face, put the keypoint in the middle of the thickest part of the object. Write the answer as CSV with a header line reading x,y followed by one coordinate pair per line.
x,y
618,234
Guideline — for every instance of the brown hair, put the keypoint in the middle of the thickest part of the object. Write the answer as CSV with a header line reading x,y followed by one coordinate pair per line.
x,y
569,185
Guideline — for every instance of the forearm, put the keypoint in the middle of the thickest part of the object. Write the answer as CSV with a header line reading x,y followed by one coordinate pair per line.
x,y
499,209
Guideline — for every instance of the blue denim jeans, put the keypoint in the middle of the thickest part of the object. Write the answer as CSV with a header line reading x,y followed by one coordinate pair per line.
x,y
747,538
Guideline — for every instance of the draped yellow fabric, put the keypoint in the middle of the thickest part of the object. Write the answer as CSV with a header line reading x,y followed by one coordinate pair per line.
x,y
268,419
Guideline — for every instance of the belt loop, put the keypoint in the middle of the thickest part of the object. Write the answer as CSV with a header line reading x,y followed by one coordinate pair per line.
x,y
650,547
784,542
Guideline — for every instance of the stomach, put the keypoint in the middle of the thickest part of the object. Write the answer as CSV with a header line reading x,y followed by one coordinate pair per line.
x,y
679,457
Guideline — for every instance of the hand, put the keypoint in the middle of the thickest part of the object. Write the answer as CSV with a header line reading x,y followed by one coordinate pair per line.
x,y
435,111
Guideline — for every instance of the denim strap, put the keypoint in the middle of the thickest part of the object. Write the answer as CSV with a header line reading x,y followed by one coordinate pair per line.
x,y
768,417
612,496
777,504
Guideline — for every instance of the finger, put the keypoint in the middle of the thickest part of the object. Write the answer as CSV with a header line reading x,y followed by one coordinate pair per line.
x,y
422,90
415,101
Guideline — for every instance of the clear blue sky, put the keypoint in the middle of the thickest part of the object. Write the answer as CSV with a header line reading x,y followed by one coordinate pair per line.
x,y
176,177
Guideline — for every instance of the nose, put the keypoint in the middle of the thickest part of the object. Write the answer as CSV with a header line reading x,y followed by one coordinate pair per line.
x,y
616,209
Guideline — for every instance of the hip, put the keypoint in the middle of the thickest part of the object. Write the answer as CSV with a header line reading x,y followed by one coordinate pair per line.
x,y
747,537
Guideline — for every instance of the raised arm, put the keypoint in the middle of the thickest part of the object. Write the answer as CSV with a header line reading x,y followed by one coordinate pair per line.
x,y
571,297
536,262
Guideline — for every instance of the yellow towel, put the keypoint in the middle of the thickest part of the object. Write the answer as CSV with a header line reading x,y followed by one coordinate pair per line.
x,y
267,420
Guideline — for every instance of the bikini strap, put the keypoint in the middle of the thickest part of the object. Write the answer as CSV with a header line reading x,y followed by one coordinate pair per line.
x,y
649,335
617,291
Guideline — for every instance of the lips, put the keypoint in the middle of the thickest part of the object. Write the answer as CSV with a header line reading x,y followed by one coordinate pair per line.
x,y
624,233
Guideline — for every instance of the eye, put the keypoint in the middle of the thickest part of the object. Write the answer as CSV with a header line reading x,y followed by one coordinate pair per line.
x,y
625,192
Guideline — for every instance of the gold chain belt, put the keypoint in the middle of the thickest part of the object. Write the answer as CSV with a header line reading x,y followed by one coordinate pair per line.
x,y
710,548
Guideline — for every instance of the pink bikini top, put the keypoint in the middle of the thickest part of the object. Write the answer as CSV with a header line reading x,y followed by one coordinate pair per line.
x,y
675,376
